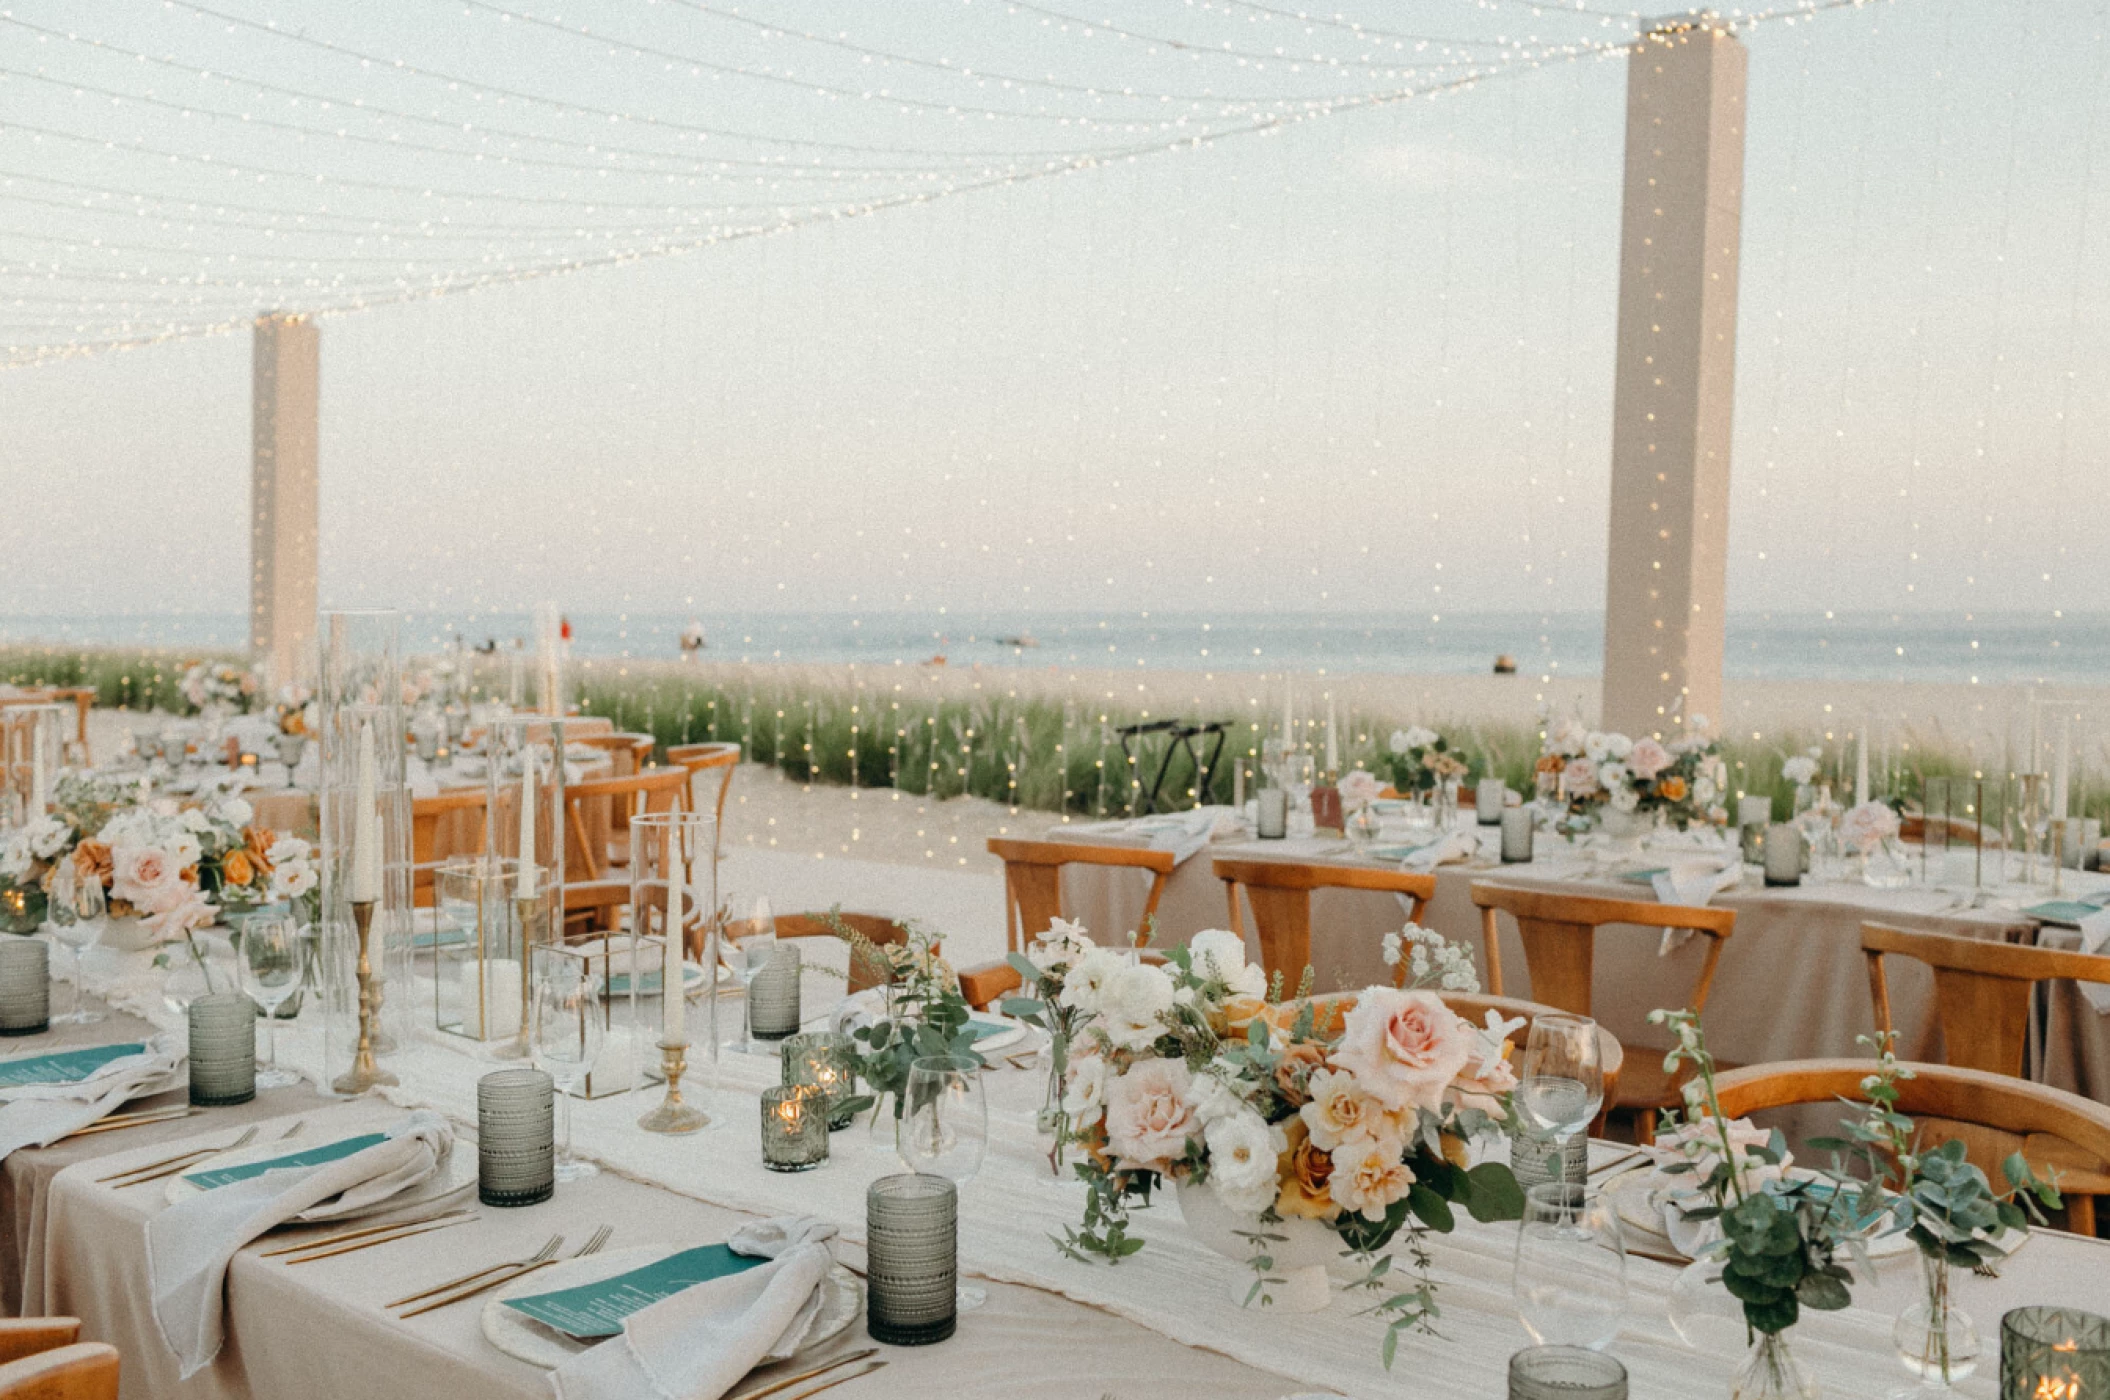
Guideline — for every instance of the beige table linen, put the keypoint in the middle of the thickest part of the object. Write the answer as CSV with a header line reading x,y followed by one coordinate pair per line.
x,y
1792,981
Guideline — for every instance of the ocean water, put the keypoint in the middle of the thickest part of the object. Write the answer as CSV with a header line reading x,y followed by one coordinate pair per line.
x,y
1987,648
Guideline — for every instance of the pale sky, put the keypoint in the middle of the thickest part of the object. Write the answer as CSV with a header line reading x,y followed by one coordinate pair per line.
x,y
1364,362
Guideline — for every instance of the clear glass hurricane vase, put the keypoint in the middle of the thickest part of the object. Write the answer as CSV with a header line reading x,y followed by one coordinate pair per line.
x,y
1936,1340
1771,1372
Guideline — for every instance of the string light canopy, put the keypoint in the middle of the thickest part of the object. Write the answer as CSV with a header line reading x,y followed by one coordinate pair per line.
x,y
168,169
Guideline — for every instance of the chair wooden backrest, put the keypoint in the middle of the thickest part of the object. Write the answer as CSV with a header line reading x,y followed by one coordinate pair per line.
x,y
630,752
654,790
1982,989
1280,893
1560,938
83,1371
1994,1114
878,928
594,907
427,816
1033,879
724,759
26,1336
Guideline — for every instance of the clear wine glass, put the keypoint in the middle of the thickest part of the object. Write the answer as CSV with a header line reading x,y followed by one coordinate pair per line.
x,y
274,952
943,1129
1560,1084
754,940
568,1036
1570,1279
76,934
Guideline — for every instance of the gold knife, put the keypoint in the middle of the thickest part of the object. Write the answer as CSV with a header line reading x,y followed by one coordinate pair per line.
x,y
342,1235
117,1121
867,1369
789,1381
356,1245
473,1289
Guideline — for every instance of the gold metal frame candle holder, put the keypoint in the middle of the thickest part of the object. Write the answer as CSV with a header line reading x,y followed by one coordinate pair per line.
x,y
366,1071
672,1115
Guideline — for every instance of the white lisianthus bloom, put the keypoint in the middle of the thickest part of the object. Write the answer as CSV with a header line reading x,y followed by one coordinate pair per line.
x,y
1215,1098
194,819
1220,953
236,811
1596,746
1084,1093
1242,1161
1618,746
1132,1003
292,881
1613,775
184,849
1085,987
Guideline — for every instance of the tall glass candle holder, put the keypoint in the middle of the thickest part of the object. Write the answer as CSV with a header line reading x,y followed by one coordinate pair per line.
x,y
482,933
365,826
673,896
32,748
2054,1354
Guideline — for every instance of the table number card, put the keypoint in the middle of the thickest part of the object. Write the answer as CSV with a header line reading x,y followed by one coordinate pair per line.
x,y
594,1310
64,1067
313,1157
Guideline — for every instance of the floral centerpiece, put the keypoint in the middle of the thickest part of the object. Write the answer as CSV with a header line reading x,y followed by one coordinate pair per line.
x,y
1295,1132
1422,760
1359,789
1043,969
1681,782
34,864
218,687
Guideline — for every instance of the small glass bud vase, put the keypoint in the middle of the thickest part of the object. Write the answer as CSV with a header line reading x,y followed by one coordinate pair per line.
x,y
827,1061
794,1128
1771,1372
1936,1340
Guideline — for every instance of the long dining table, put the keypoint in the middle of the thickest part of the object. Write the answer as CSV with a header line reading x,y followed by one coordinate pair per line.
x,y
1165,1322
1792,982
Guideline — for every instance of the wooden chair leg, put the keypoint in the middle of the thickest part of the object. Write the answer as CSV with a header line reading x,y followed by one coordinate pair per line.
x,y
2080,1215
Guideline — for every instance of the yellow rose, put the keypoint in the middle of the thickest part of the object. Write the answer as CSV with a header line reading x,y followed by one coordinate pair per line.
x,y
1304,1171
235,868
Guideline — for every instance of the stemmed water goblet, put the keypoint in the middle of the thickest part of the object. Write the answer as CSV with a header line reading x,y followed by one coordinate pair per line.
x,y
76,932
568,1036
276,955
1560,1085
1570,1277
943,1129
754,941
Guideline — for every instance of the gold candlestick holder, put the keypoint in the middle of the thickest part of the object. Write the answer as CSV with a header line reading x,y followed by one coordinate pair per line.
x,y
366,1071
672,1115
526,908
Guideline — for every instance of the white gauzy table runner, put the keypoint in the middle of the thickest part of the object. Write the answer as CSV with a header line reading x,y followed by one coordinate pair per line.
x,y
1174,1287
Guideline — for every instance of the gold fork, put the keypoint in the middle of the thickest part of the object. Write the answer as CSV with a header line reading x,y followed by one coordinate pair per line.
x,y
592,1246
169,1166
548,1250
117,1122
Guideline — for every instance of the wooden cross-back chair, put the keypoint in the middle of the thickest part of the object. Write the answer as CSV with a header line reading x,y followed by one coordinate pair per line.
x,y
1033,879
1280,893
1993,1114
43,1358
700,759
454,814
1982,996
634,795
1559,932
627,754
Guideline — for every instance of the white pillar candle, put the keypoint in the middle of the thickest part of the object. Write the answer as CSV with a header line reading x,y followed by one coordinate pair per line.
x,y
497,1015
1861,763
366,825
1333,739
2062,770
525,883
673,1006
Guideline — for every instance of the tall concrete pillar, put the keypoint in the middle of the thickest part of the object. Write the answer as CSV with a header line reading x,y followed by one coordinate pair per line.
x,y
285,413
1666,577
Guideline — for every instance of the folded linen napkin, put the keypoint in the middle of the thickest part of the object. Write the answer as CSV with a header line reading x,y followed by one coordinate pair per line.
x,y
1693,881
699,1343
190,1244
1451,849
858,1010
2095,932
40,1114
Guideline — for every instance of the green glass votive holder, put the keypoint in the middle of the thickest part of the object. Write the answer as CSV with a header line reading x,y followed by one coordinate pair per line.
x,y
826,1060
794,1128
2054,1354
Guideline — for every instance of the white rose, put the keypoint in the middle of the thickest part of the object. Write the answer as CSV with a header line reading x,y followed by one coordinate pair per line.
x,y
1398,743
1220,953
237,811
1242,1161
1596,746
1613,776
47,837
288,848
1703,791
1799,770
291,882
1618,745
1213,1098
1131,1003
194,819
1084,1095
183,848
1084,989
1625,799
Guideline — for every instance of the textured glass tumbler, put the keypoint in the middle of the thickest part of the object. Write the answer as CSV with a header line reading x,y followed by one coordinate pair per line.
x,y
911,1259
222,1049
2061,1352
1537,1158
827,1061
1565,1373
773,997
516,1138
25,986
794,1128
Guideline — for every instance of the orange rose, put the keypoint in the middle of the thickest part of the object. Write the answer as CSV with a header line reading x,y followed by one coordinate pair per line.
x,y
1304,1171
235,868
91,860
1550,763
1328,1013
258,840
1293,1070
1672,789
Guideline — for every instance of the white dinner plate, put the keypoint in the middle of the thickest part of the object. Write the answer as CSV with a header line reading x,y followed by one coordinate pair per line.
x,y
1000,1032
691,980
1638,1197
460,1174
524,1339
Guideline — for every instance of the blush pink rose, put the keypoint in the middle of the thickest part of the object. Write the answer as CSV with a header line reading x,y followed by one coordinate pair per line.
x,y
1648,759
191,911
1359,788
148,878
1149,1120
1404,1048
1579,777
